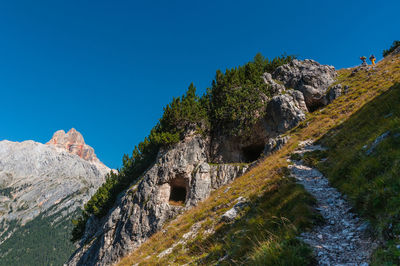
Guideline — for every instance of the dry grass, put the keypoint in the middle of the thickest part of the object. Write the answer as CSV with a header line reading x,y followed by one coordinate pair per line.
x,y
265,178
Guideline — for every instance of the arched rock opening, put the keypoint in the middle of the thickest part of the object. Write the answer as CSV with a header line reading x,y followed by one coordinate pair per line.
x,y
252,152
179,191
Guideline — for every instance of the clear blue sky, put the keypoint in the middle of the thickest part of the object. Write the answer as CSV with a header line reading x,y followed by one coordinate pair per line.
x,y
108,68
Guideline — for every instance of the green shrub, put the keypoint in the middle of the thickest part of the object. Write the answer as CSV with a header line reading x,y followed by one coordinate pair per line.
x,y
181,112
238,95
395,44
79,227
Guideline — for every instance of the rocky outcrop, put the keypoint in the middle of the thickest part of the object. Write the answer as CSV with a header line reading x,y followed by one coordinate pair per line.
x,y
232,149
179,179
274,86
334,92
396,51
297,87
284,112
73,142
309,77
182,176
38,179
231,214
275,144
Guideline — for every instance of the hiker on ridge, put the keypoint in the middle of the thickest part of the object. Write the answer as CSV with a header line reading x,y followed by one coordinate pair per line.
x,y
364,60
372,58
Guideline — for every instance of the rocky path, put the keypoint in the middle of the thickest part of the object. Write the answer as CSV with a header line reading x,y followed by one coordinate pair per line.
x,y
343,239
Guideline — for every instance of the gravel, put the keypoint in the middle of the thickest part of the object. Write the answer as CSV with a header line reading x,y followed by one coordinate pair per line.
x,y
343,239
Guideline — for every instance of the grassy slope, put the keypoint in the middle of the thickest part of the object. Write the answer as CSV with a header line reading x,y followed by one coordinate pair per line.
x,y
265,232
372,181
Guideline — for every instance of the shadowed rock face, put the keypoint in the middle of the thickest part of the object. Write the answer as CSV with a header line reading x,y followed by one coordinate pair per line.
x,y
74,143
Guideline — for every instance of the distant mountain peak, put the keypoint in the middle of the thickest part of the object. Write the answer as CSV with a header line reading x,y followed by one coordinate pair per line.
x,y
73,142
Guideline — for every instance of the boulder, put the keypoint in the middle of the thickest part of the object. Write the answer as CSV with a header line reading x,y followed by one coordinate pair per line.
x,y
284,112
275,144
333,93
232,213
274,86
309,77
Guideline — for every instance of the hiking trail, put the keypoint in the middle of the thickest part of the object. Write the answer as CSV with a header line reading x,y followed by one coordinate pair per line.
x,y
343,238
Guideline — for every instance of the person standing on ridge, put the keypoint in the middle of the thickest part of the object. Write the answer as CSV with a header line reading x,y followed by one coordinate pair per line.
x,y
363,59
372,58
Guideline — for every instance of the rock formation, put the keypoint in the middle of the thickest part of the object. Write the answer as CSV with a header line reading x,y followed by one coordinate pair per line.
x,y
73,143
396,51
183,175
309,77
298,87
284,112
179,179
38,179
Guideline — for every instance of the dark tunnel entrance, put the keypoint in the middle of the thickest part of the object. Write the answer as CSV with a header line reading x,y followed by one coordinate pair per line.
x,y
252,152
178,191
178,194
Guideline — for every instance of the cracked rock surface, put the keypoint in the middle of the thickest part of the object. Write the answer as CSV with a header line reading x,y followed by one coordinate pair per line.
x,y
342,239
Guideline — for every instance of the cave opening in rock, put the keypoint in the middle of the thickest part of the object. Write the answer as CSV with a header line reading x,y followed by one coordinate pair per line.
x,y
178,192
315,107
252,152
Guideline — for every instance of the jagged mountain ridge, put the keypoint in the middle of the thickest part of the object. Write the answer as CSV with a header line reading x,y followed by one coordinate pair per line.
x,y
46,180
73,142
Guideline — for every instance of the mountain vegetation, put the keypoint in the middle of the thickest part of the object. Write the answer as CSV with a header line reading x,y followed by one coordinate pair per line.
x,y
391,49
42,241
41,187
229,105
235,97
360,130
265,231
